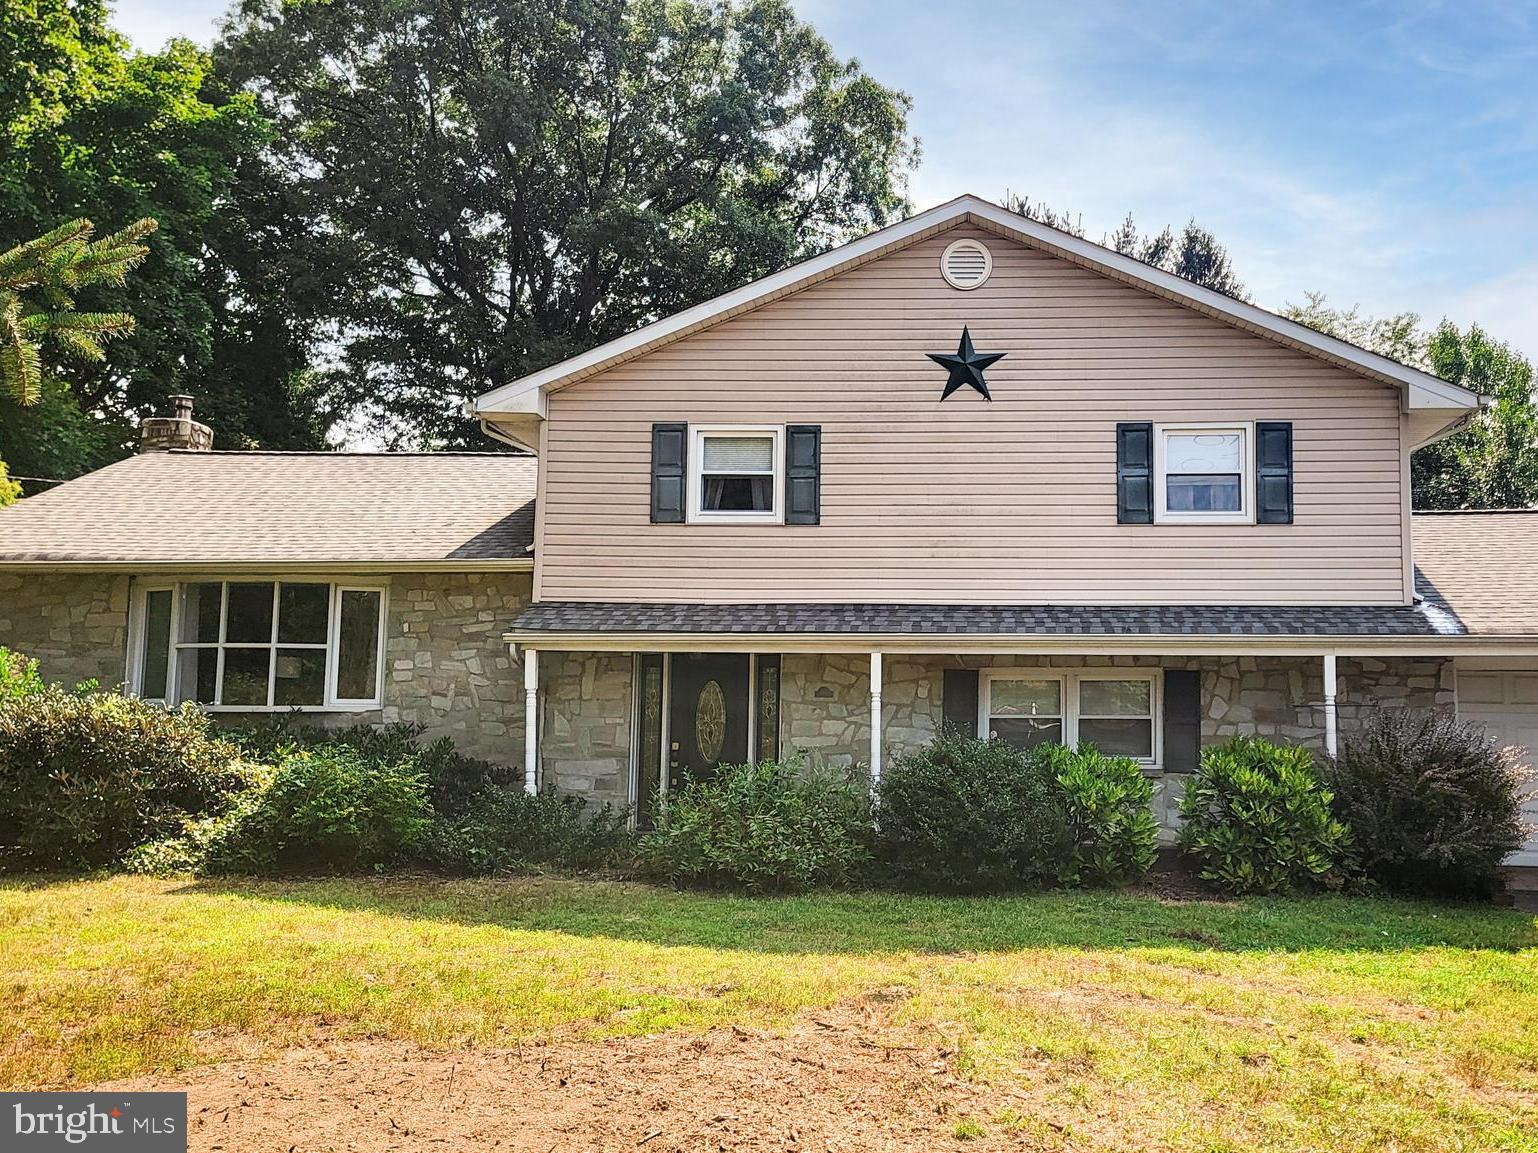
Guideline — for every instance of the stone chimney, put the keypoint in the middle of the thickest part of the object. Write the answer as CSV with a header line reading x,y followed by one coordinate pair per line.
x,y
179,430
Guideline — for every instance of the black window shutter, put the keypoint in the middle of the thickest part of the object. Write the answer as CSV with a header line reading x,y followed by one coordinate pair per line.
x,y
1134,473
670,472
1182,720
958,700
803,473
1273,472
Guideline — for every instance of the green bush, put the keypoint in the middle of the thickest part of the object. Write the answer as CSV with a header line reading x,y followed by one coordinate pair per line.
x,y
325,809
86,777
774,826
967,815
1109,804
1257,819
455,782
1433,805
18,675
509,830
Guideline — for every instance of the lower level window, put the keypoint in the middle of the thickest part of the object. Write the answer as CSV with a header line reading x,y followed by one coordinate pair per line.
x,y
257,645
1115,712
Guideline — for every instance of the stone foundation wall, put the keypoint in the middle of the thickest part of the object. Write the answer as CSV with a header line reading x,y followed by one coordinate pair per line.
x,y
74,624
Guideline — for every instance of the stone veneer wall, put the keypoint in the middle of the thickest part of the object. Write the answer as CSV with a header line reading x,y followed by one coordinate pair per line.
x,y
446,664
74,624
825,708
585,724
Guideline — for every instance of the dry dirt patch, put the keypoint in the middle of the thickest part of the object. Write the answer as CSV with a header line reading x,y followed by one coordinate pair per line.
x,y
839,1080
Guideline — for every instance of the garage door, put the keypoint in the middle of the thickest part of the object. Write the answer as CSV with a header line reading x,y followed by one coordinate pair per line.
x,y
1507,705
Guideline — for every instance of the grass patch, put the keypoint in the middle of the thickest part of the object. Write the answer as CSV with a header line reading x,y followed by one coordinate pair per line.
x,y
1125,1020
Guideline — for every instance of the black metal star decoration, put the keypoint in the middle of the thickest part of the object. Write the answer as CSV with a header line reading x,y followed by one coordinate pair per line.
x,y
966,367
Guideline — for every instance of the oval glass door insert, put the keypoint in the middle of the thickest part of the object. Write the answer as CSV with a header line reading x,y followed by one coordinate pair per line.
x,y
710,722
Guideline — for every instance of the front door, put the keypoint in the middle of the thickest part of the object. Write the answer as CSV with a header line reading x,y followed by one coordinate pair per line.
x,y
708,718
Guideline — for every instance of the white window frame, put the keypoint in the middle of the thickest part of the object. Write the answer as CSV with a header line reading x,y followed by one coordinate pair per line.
x,y
1246,513
1071,679
334,647
698,514
138,639
138,619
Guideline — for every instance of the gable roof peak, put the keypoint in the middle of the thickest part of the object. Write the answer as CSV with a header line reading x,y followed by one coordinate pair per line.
x,y
524,399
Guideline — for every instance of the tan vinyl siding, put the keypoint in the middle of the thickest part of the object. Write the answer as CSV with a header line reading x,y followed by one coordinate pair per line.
x,y
970,502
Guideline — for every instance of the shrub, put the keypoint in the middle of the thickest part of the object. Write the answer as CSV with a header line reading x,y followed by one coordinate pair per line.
x,y
1108,802
968,815
768,827
508,830
18,675
455,782
1433,805
325,809
85,777
1257,819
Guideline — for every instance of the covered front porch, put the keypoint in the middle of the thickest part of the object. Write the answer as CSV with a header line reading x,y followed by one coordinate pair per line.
x,y
624,715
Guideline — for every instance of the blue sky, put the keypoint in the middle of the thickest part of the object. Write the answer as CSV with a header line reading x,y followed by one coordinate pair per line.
x,y
1383,153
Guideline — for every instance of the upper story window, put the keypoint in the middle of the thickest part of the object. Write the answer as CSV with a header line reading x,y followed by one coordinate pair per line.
x,y
736,474
259,645
1204,474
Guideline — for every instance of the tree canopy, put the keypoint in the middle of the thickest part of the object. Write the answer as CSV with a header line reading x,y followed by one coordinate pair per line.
x,y
90,128
495,185
1494,462
1194,253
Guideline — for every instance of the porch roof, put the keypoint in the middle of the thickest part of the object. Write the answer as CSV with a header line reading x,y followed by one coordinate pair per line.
x,y
552,618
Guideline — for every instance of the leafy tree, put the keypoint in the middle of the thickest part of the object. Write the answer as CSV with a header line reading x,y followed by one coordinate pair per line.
x,y
90,128
1194,254
1494,462
498,184
1397,337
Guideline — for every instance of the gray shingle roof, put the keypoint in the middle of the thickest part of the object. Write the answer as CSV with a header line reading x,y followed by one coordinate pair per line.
x,y
1069,620
1481,567
267,508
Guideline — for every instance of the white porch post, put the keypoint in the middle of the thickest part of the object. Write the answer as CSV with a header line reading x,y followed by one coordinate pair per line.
x,y
875,720
1329,704
530,720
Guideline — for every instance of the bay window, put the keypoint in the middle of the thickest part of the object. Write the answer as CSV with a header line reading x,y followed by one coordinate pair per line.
x,y
1115,710
255,645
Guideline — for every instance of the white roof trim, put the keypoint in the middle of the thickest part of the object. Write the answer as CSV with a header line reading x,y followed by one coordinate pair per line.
x,y
1421,389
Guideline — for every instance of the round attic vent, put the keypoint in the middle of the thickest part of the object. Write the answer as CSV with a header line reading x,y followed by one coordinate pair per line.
x,y
966,264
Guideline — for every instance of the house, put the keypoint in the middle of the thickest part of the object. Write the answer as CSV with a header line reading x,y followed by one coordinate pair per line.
x,y
966,469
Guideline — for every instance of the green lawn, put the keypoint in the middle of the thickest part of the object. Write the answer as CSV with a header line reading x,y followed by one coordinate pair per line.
x,y
1331,1023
